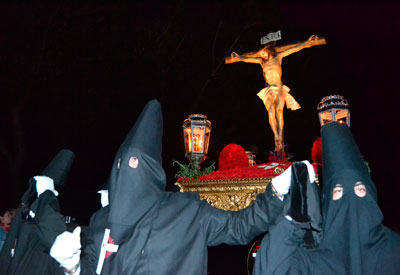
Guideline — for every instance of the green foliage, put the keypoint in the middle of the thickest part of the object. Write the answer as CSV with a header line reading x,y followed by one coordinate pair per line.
x,y
192,170
366,164
368,167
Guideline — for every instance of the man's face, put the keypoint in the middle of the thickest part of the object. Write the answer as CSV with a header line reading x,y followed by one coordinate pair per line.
x,y
6,218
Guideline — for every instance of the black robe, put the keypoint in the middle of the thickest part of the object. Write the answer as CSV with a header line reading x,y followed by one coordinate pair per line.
x,y
159,232
354,239
182,228
94,238
36,225
26,249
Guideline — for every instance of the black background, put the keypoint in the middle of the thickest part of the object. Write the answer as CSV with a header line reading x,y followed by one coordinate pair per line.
x,y
77,74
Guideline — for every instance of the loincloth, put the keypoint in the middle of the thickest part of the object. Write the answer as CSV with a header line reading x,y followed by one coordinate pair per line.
x,y
272,91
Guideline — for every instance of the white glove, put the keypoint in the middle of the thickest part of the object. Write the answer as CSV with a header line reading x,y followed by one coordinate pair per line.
x,y
281,183
66,249
44,183
103,198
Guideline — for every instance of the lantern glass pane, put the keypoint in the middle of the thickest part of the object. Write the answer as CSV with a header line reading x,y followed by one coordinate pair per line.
x,y
207,140
188,140
341,115
326,117
198,139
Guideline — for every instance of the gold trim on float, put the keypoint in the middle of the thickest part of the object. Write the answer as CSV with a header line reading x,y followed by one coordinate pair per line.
x,y
227,194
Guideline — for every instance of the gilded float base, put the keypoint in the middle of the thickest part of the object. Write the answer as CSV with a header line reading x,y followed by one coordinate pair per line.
x,y
227,194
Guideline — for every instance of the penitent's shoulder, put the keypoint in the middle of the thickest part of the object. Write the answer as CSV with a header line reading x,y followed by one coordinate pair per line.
x,y
179,196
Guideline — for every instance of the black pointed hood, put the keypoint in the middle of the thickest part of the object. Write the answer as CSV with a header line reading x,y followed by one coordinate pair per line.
x,y
353,229
59,168
137,182
146,134
137,167
342,162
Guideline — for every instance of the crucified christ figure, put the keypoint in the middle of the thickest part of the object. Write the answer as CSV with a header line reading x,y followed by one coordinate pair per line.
x,y
275,94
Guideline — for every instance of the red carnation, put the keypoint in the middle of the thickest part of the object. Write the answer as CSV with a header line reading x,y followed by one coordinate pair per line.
x,y
316,152
272,158
232,156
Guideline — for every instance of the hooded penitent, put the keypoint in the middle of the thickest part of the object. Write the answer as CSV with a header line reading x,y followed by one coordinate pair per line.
x,y
156,232
36,225
137,180
354,240
353,229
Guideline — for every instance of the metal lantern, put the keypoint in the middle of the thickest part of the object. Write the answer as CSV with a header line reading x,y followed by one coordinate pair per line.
x,y
333,108
196,132
251,157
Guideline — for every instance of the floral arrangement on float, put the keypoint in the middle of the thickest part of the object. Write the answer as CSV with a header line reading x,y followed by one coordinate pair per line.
x,y
280,155
237,182
233,163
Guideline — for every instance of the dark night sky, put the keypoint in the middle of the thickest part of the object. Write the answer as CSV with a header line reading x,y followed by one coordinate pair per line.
x,y
76,75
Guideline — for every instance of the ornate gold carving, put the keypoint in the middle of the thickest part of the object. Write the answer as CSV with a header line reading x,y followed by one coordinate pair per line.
x,y
278,170
227,194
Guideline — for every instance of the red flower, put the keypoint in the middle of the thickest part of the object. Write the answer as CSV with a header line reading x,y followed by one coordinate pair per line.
x,y
232,156
272,158
257,171
316,151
